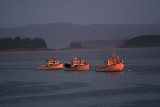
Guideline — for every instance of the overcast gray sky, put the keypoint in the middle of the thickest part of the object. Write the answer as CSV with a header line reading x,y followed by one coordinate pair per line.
x,y
15,13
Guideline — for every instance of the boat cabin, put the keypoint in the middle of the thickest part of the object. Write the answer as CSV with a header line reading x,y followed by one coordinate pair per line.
x,y
54,62
78,62
113,61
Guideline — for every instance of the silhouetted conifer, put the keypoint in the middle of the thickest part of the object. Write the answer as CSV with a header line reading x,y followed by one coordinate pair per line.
x,y
18,42
75,45
144,41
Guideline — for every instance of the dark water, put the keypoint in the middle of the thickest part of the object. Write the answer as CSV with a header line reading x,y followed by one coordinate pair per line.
x,y
21,85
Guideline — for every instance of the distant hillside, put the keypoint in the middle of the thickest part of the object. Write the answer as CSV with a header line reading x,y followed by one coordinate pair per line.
x,y
19,43
59,35
103,43
143,41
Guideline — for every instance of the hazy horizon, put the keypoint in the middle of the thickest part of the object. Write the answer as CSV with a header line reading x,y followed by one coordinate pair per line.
x,y
19,13
77,24
80,19
59,35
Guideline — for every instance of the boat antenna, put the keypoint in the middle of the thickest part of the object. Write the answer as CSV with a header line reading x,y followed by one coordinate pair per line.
x,y
54,58
113,52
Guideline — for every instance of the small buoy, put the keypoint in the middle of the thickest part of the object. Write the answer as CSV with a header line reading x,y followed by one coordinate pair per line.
x,y
128,70
140,70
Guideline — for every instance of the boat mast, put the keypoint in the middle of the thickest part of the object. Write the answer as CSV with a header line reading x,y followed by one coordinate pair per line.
x,y
113,53
54,58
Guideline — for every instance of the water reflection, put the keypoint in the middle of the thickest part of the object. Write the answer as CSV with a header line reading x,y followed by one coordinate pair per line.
x,y
81,74
115,77
115,73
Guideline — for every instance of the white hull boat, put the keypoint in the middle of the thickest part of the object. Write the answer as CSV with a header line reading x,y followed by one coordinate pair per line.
x,y
112,64
116,67
77,65
51,65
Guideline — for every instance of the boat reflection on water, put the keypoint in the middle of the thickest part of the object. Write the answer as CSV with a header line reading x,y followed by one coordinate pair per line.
x,y
115,77
115,73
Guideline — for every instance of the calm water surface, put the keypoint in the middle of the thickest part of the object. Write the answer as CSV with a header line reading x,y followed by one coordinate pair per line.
x,y
21,85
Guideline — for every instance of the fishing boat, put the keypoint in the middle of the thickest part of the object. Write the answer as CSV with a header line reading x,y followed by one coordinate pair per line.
x,y
112,64
77,65
51,64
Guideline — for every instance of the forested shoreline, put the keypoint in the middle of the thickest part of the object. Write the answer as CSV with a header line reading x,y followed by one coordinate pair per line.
x,y
143,41
19,43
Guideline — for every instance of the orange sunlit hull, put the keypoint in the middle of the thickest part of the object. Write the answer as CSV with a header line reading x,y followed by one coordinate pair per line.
x,y
116,67
78,68
56,66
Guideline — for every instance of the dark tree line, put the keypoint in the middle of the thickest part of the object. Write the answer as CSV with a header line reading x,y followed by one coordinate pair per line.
x,y
144,41
75,45
17,42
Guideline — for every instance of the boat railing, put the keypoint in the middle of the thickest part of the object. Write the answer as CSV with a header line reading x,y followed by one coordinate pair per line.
x,y
77,62
113,61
